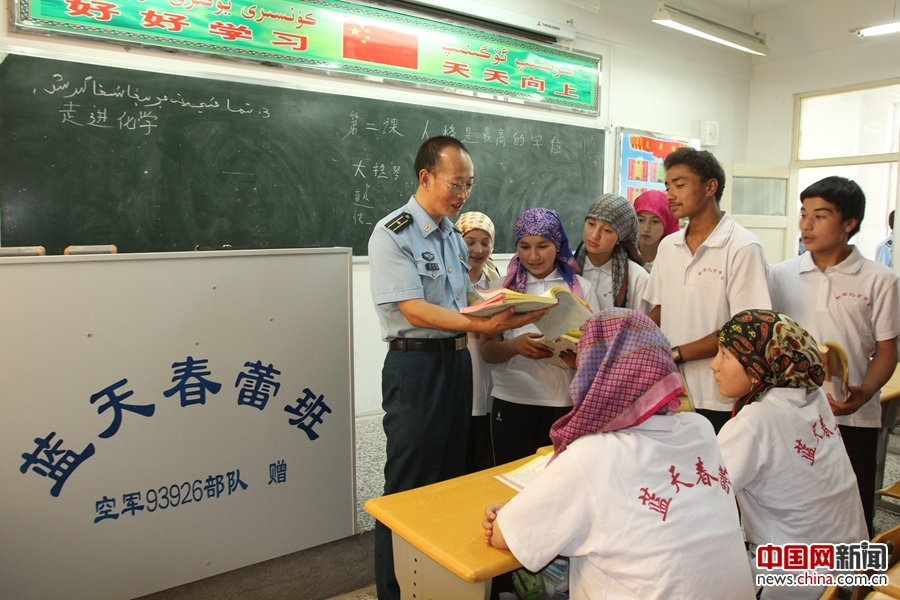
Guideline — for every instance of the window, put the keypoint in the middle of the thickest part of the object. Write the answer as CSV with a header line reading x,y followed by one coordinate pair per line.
x,y
854,134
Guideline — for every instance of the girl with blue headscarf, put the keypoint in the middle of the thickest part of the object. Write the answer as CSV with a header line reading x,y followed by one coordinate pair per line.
x,y
530,394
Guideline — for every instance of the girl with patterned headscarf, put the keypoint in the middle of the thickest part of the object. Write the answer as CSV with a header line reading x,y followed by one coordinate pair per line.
x,y
477,230
621,496
782,449
529,394
655,221
608,255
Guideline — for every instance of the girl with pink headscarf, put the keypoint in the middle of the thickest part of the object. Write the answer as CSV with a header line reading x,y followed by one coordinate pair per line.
x,y
636,496
655,221
529,394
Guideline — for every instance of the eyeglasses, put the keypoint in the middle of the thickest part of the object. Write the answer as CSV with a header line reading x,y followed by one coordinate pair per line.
x,y
456,188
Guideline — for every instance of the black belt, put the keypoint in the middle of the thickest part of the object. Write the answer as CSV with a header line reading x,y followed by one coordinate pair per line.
x,y
429,345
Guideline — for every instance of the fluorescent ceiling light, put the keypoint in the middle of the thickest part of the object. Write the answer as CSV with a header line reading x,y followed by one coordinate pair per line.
x,y
877,30
690,21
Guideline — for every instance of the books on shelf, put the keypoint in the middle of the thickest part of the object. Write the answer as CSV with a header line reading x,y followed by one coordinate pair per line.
x,y
567,311
837,371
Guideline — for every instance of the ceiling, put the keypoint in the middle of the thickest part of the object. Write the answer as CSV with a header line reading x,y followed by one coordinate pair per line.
x,y
753,7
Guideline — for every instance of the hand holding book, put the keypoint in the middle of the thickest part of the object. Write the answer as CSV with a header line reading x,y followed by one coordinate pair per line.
x,y
837,372
567,311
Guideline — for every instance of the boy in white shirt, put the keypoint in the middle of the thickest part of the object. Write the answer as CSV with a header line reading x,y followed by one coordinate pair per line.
x,y
839,296
703,275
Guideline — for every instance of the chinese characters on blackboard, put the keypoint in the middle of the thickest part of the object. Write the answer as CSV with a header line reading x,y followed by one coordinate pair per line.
x,y
88,103
367,171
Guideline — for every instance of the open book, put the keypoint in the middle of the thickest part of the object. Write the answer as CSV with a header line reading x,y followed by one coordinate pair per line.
x,y
520,478
568,311
837,373
567,341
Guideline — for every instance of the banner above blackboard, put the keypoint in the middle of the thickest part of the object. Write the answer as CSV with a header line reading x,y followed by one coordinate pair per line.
x,y
333,36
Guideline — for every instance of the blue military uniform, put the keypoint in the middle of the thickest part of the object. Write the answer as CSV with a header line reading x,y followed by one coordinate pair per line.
x,y
427,376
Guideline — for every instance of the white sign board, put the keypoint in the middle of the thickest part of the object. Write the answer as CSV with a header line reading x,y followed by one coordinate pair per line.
x,y
168,417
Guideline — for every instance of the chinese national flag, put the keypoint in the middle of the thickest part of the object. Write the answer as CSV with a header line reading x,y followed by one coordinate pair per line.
x,y
380,45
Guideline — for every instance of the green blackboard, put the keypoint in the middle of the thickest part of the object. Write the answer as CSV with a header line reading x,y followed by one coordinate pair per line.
x,y
155,162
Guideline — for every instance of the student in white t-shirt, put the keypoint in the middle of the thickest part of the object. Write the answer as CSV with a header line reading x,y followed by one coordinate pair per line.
x,y
787,464
839,296
477,231
608,256
636,496
703,275
529,393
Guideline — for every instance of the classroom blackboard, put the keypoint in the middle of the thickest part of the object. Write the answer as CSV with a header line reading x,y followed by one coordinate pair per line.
x,y
156,162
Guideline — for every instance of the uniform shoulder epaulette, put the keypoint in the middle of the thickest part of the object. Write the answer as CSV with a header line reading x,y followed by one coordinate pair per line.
x,y
400,223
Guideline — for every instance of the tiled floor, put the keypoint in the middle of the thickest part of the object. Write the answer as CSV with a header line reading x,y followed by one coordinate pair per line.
x,y
363,594
370,457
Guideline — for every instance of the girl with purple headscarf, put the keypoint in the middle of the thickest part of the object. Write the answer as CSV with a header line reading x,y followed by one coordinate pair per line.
x,y
530,393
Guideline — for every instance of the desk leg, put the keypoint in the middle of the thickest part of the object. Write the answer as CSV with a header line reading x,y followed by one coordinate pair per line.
x,y
888,416
421,578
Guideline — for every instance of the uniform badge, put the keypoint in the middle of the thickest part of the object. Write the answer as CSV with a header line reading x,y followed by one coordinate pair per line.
x,y
402,221
432,266
428,256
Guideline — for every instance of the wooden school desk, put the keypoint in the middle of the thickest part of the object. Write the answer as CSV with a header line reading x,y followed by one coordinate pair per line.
x,y
439,549
890,403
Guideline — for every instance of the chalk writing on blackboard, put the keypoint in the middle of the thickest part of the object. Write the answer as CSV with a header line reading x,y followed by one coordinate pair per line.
x,y
91,113
371,169
200,168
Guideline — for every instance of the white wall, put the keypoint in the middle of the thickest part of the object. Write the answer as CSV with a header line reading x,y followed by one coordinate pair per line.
x,y
812,50
654,79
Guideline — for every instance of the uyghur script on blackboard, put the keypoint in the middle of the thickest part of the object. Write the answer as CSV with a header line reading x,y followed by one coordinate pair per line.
x,y
86,105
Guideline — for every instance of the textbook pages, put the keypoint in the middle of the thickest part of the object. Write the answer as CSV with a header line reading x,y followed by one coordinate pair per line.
x,y
567,341
567,311
837,372
520,478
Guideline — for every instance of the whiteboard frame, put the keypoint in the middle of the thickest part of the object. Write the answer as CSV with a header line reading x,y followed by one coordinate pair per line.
x,y
75,324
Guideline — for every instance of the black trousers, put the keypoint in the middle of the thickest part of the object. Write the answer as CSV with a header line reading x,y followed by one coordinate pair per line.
x,y
862,448
479,451
518,430
427,400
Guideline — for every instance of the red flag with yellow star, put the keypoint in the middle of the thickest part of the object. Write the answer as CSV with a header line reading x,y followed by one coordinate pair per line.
x,y
380,45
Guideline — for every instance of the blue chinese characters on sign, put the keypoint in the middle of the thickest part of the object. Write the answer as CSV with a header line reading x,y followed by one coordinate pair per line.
x,y
277,472
115,403
309,410
57,464
191,383
258,383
